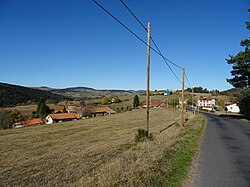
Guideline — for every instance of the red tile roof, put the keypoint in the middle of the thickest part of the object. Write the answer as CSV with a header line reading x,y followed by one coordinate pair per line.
x,y
206,99
33,121
103,110
207,107
56,108
62,116
154,104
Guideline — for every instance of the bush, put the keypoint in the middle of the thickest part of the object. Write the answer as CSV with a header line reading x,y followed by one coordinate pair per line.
x,y
5,119
143,135
243,98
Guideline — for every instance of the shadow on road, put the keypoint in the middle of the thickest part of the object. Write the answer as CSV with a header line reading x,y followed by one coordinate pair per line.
x,y
235,116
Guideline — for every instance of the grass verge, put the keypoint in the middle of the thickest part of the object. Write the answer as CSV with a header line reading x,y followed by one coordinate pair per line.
x,y
178,160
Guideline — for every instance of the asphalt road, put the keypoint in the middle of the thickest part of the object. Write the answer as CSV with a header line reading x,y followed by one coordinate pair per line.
x,y
224,159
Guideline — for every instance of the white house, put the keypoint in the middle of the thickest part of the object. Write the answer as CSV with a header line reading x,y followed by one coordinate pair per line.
x,y
54,118
206,102
233,108
208,108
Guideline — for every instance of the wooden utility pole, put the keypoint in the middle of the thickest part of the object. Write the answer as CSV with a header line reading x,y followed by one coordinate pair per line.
x,y
182,98
193,100
148,76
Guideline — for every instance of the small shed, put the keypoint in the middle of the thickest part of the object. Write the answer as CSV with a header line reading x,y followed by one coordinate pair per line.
x,y
168,93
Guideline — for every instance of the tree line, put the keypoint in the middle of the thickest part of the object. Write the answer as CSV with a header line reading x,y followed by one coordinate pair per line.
x,y
12,95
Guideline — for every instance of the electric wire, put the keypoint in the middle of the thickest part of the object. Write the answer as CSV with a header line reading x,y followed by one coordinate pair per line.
x,y
129,30
147,31
164,58
139,38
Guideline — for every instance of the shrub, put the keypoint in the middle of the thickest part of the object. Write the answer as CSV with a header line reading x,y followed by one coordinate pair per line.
x,y
243,99
143,135
5,119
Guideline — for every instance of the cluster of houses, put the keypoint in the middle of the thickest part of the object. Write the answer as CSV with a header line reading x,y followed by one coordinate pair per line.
x,y
74,112
208,104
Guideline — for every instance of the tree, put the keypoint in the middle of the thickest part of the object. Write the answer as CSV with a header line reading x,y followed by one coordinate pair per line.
x,y
16,116
104,101
136,101
241,73
5,119
114,99
64,110
87,111
82,103
241,65
42,109
243,98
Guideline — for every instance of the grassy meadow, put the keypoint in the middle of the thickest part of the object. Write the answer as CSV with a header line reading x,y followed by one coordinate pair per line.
x,y
98,151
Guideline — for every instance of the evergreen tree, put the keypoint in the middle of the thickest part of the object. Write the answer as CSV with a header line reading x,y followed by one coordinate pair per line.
x,y
136,101
42,109
241,65
241,73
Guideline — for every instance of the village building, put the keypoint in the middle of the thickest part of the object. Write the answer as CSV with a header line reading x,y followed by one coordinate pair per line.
x,y
61,117
208,108
154,104
233,108
57,109
34,121
31,122
102,111
206,102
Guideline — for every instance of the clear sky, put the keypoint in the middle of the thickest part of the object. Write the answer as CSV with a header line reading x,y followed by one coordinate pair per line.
x,y
65,43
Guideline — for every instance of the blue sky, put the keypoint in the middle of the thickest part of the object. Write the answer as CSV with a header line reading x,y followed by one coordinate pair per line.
x,y
63,43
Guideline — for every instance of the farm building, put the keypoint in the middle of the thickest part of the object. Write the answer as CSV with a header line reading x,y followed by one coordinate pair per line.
x,y
61,117
233,108
102,111
154,104
168,93
33,122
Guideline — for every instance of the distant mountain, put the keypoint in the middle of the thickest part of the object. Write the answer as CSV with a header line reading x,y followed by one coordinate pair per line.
x,y
13,95
88,93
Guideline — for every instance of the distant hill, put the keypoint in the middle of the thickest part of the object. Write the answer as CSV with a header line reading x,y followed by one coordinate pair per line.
x,y
85,92
13,95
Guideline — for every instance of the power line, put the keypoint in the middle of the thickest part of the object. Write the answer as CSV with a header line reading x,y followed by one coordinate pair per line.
x,y
159,52
150,36
139,38
134,16
164,58
188,81
120,22
130,30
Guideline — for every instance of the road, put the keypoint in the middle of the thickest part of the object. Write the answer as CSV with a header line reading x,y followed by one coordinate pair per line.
x,y
224,159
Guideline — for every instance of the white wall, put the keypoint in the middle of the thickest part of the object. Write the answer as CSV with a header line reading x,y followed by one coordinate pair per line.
x,y
48,120
233,108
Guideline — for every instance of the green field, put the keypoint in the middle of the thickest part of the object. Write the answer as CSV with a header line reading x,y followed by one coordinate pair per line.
x,y
98,151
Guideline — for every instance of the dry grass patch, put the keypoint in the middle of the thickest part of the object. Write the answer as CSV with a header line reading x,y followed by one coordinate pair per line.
x,y
94,152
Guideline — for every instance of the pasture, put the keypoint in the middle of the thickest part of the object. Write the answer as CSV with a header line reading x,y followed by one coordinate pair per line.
x,y
98,151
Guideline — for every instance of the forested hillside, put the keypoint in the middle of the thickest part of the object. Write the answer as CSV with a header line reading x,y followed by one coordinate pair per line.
x,y
12,95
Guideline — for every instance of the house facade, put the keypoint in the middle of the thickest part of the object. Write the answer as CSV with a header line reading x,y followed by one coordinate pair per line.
x,y
203,102
233,108
61,117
